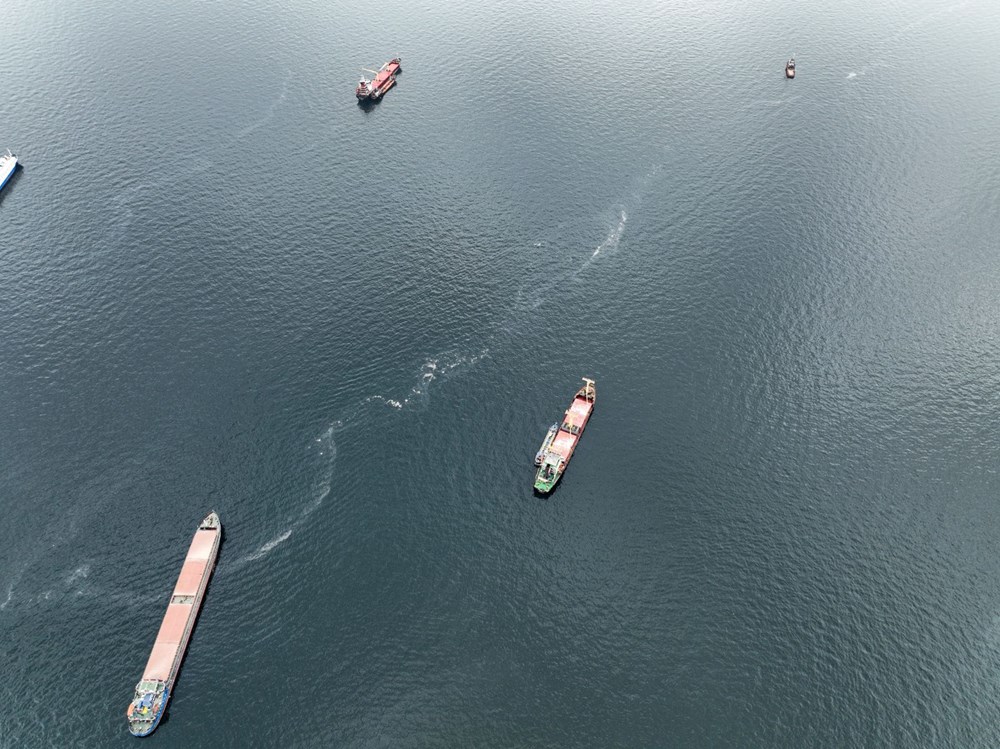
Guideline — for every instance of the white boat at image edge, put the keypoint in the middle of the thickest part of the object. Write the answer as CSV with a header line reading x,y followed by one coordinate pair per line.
x,y
8,163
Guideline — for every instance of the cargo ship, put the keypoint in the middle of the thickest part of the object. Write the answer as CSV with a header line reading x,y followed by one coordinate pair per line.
x,y
384,79
558,447
154,689
8,163
790,68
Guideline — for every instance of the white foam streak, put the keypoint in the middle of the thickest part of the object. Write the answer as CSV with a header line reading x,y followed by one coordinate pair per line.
x,y
911,27
268,547
82,571
614,237
245,131
326,449
433,368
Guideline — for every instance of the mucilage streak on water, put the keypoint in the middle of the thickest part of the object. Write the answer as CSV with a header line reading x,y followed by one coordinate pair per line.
x,y
325,450
324,447
907,29
122,214
612,240
540,293
437,367
76,584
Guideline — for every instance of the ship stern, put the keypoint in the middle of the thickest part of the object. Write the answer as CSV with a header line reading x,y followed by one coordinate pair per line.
x,y
147,708
545,482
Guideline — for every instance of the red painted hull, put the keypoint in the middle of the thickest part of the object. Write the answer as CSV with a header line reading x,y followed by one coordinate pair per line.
x,y
384,79
560,450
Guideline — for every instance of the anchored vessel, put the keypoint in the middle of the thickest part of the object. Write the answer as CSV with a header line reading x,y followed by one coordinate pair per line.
x,y
8,163
153,691
790,68
385,78
558,447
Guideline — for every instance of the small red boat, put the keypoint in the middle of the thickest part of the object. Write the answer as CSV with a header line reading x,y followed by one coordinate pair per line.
x,y
384,79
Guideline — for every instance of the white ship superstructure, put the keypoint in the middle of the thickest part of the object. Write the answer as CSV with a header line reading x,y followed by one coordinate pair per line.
x,y
8,163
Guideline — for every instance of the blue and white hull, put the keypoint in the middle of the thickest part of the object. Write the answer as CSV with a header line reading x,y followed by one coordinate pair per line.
x,y
8,163
145,727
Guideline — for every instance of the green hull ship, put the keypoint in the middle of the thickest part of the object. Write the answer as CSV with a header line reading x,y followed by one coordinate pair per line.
x,y
558,447
547,476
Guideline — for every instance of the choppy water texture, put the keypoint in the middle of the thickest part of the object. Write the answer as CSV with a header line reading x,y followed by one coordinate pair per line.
x,y
225,286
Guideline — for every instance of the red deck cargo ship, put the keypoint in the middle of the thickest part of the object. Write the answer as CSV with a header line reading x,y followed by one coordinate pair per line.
x,y
561,441
153,691
385,78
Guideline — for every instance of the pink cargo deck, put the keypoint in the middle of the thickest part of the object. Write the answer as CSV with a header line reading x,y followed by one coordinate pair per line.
x,y
555,455
182,609
153,691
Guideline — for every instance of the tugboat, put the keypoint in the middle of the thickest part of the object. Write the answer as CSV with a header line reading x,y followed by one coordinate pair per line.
x,y
558,447
384,79
790,68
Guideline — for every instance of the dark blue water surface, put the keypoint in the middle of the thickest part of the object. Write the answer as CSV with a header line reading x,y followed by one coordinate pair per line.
x,y
223,285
